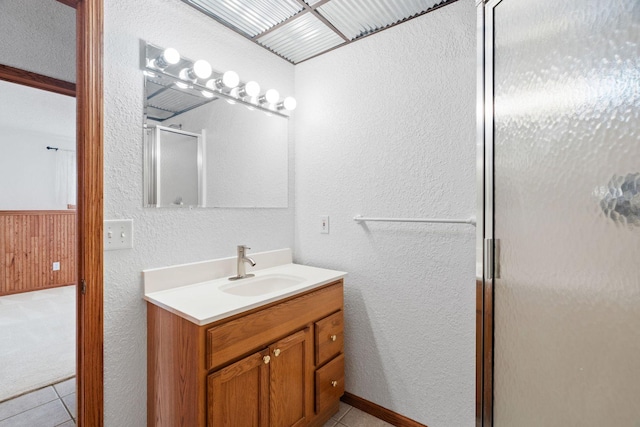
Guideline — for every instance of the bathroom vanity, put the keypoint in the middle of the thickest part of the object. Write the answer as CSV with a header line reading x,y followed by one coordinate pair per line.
x,y
266,352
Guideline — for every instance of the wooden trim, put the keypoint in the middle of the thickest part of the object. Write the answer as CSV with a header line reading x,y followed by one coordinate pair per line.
x,y
378,411
70,3
90,361
37,212
484,353
37,81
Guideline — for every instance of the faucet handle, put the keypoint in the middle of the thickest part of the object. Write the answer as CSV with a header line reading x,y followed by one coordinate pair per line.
x,y
243,247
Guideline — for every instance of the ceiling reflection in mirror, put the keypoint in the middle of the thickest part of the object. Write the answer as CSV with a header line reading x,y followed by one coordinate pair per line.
x,y
243,159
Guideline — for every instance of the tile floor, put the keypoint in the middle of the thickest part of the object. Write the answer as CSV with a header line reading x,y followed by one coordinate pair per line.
x,y
348,416
55,406
51,406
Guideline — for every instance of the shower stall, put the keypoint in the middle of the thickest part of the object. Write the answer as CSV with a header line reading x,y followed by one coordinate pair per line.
x,y
558,254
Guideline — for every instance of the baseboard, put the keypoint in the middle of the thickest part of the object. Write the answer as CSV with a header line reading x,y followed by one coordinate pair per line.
x,y
378,411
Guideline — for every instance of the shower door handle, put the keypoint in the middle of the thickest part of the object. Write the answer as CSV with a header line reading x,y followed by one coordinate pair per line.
x,y
492,258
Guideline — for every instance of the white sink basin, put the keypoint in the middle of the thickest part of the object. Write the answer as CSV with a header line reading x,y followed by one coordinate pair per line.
x,y
261,285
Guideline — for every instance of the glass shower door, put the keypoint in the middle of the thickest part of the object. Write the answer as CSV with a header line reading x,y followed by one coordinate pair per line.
x,y
565,86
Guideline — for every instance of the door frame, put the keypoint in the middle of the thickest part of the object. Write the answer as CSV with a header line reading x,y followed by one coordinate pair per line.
x,y
90,154
485,247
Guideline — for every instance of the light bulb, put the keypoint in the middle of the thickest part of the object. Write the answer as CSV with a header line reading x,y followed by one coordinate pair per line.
x,y
288,104
272,96
171,56
207,94
168,57
202,69
185,74
211,84
233,92
230,79
252,89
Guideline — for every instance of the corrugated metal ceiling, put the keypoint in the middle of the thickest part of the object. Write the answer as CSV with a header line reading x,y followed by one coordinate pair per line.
x,y
298,30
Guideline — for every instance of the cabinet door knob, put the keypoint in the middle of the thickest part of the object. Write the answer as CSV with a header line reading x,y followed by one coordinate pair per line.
x,y
276,352
334,383
333,337
266,359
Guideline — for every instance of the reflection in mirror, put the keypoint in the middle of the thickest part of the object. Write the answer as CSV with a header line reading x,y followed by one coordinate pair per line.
x,y
245,154
173,168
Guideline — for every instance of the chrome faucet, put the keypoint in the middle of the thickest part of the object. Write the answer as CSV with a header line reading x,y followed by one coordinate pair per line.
x,y
242,258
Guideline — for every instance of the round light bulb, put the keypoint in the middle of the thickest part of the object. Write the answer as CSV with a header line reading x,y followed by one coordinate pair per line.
x,y
289,103
233,92
171,56
252,89
211,84
230,79
272,96
202,69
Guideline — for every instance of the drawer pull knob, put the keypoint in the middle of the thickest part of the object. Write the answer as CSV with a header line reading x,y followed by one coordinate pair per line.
x,y
276,352
333,337
334,383
266,359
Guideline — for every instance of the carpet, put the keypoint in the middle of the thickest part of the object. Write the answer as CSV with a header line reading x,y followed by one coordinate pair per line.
x,y
37,339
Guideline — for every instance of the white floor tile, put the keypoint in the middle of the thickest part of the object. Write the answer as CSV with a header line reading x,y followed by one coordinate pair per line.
x,y
27,401
50,414
66,387
358,418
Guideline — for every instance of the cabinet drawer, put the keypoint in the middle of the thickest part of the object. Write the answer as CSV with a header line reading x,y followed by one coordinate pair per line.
x,y
329,337
329,383
239,337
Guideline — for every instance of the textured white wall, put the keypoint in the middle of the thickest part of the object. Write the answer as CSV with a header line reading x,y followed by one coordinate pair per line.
x,y
165,236
39,36
385,127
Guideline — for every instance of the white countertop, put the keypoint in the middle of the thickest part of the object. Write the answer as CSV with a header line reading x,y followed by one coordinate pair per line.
x,y
206,302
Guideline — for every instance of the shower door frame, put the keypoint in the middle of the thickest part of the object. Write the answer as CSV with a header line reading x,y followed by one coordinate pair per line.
x,y
485,247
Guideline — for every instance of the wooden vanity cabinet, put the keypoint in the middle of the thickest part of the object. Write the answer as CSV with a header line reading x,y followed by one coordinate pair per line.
x,y
281,365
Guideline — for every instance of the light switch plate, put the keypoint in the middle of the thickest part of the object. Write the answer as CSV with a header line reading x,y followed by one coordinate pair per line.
x,y
56,266
118,234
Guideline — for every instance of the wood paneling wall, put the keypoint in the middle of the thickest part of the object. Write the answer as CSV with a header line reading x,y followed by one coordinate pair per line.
x,y
30,242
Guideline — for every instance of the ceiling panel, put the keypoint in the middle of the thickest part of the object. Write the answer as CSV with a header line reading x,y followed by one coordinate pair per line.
x,y
301,38
301,29
164,100
357,18
250,17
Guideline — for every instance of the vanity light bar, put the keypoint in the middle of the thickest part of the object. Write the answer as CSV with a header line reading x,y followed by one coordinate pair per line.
x,y
195,76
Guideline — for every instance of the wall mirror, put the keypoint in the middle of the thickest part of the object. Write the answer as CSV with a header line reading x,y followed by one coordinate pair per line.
x,y
204,148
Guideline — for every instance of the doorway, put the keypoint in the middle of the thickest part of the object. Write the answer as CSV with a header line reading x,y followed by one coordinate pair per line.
x,y
89,152
38,251
558,277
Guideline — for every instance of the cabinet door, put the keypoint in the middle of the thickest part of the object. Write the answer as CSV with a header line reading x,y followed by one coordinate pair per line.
x,y
291,365
238,395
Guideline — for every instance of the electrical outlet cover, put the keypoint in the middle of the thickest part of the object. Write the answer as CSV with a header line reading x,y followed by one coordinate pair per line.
x,y
324,224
